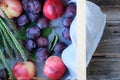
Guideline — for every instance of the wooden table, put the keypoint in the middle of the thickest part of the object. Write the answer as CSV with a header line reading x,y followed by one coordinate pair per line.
x,y
105,64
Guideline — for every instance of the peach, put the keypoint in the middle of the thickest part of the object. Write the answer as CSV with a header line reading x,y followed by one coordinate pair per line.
x,y
12,8
54,68
24,70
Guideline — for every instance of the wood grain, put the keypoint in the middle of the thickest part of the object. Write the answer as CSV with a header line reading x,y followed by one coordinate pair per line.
x,y
105,64
110,42
104,68
106,2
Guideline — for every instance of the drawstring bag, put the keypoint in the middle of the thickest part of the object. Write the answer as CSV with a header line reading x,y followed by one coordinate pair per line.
x,y
95,23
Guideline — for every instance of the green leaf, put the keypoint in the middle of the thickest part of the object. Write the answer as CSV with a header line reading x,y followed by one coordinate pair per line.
x,y
55,39
33,57
22,32
46,32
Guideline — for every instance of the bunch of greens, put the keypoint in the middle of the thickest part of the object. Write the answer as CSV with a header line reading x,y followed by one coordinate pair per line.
x,y
10,41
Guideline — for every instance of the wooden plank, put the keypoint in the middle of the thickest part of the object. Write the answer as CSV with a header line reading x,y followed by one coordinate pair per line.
x,y
110,41
106,2
106,59
109,7
113,13
105,64
103,68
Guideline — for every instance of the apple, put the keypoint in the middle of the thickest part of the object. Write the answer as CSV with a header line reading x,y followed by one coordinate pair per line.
x,y
54,68
24,70
12,8
53,9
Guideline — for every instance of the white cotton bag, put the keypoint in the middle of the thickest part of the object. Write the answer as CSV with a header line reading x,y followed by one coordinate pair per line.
x,y
95,23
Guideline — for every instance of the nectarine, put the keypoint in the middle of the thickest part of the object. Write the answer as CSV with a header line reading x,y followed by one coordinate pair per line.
x,y
24,70
12,8
54,68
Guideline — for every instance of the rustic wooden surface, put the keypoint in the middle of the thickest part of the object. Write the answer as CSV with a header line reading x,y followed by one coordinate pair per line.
x,y
105,64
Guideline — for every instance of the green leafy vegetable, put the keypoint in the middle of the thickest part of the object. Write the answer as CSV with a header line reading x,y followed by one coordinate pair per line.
x,y
1,42
9,41
6,46
15,41
4,61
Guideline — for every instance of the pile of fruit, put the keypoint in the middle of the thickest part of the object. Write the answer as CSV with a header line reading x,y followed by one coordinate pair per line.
x,y
33,21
